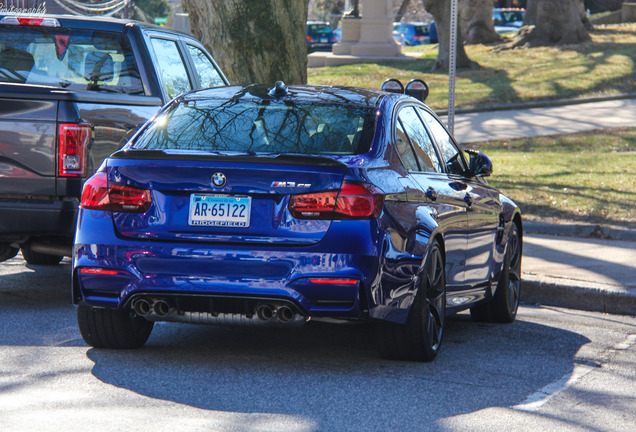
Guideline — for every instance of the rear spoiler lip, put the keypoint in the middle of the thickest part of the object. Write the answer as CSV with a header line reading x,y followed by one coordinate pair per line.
x,y
286,159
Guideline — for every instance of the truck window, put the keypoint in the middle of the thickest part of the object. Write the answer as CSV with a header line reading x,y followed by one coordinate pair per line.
x,y
208,75
173,71
72,59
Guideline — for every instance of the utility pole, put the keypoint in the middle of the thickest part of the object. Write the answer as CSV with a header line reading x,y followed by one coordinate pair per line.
x,y
452,67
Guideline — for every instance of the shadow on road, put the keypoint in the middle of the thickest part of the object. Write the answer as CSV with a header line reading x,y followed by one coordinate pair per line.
x,y
327,372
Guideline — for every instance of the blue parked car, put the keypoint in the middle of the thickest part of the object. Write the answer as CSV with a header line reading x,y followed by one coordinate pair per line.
x,y
320,36
274,205
413,33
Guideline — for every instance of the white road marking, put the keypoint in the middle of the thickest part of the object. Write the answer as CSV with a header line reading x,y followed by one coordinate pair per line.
x,y
540,398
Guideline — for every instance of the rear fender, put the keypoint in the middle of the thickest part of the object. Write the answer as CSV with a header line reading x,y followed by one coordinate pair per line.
x,y
400,272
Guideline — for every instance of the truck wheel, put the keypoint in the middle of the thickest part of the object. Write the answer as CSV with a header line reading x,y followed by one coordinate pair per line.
x,y
37,258
112,328
7,251
420,338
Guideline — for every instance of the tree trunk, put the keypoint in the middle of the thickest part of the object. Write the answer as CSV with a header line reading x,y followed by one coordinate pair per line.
x,y
440,9
253,40
475,19
531,13
401,10
556,23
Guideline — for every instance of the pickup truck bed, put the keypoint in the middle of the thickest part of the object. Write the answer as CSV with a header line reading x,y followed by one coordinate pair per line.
x,y
72,91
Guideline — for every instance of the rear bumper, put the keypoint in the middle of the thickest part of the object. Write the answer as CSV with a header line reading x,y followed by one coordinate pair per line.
x,y
27,218
309,277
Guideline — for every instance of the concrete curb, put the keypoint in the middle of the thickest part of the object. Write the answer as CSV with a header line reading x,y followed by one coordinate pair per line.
x,y
580,230
577,295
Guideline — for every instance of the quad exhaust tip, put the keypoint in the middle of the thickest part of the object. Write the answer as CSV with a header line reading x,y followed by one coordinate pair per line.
x,y
141,307
161,308
266,312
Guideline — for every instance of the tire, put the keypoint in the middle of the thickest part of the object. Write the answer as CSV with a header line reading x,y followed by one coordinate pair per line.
x,y
37,258
7,251
505,303
421,337
112,328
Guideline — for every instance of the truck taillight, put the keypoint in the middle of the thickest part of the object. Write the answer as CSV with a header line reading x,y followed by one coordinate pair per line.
x,y
98,195
72,149
352,201
30,21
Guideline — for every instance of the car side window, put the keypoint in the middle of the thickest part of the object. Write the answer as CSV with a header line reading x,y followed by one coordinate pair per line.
x,y
422,143
451,156
171,67
208,74
404,149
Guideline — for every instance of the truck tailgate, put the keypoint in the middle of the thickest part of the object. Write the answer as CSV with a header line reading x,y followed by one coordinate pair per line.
x,y
27,146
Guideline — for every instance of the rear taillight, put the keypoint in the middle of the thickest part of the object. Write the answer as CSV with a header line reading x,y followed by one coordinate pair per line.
x,y
72,148
99,271
352,201
329,281
310,39
98,195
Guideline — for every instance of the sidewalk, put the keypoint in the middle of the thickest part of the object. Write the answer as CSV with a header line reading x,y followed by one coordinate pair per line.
x,y
507,124
567,268
579,273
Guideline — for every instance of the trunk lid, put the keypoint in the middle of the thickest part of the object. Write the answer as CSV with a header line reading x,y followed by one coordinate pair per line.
x,y
248,203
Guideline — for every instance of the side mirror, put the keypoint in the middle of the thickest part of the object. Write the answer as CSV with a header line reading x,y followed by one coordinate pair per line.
x,y
480,164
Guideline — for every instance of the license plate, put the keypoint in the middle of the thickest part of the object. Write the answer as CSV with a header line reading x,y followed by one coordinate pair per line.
x,y
220,211
323,40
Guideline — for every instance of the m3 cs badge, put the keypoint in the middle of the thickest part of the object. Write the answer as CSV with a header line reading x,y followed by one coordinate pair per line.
x,y
282,184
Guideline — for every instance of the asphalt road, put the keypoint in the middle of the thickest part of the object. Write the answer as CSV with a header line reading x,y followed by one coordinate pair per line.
x,y
553,369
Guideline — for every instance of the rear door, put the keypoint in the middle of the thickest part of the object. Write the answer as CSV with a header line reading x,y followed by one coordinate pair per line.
x,y
182,64
435,190
481,202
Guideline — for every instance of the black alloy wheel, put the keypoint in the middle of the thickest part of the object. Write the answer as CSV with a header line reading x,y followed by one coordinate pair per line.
x,y
505,303
435,305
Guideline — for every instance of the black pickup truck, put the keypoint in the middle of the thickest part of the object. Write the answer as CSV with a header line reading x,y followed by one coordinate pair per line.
x,y
72,91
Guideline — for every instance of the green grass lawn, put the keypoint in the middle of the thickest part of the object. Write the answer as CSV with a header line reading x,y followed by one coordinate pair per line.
x,y
587,177
604,66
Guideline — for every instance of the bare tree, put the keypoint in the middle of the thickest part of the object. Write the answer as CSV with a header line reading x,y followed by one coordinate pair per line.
x,y
254,40
554,23
400,13
440,9
475,19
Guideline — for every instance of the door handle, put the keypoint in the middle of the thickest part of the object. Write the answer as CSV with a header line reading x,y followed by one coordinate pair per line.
x,y
468,199
431,194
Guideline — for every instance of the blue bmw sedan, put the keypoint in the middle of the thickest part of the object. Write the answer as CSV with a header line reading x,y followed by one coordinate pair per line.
x,y
273,205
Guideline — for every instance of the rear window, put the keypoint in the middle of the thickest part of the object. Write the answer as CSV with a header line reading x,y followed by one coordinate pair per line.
x,y
266,127
421,29
68,58
319,29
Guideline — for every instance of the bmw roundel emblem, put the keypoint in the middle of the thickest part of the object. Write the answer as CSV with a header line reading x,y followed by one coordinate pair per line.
x,y
218,179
